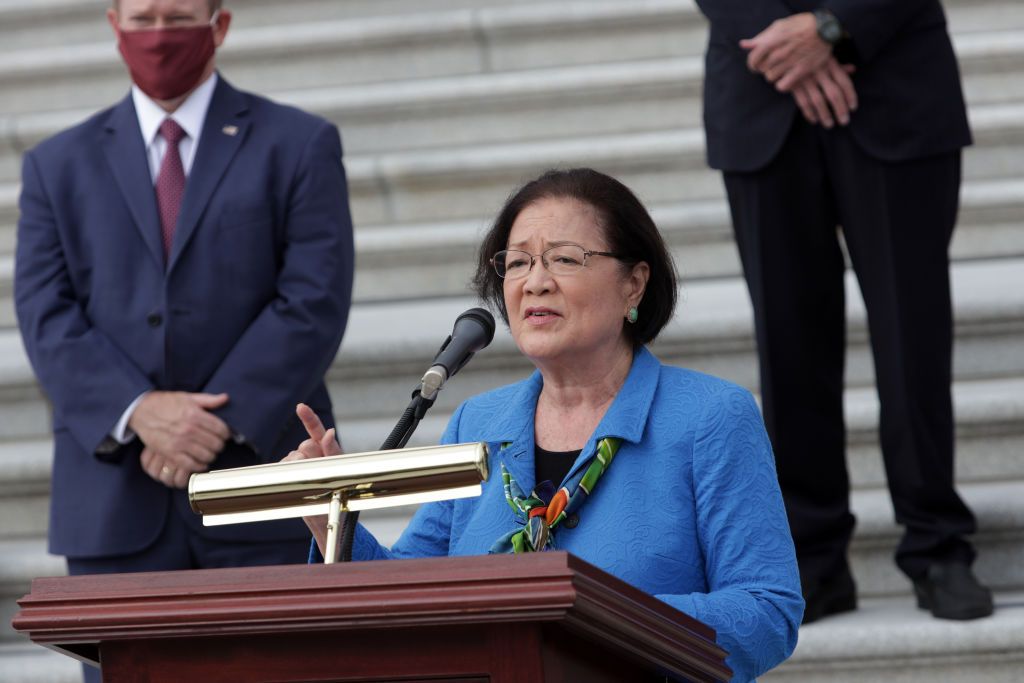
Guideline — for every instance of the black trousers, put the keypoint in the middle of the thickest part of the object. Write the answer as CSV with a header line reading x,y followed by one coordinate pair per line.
x,y
897,220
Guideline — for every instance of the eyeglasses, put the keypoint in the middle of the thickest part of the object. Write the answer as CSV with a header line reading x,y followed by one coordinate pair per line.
x,y
564,259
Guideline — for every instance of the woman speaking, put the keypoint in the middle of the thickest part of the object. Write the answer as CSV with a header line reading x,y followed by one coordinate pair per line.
x,y
659,475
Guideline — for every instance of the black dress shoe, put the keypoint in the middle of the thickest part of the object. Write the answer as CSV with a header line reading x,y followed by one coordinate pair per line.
x,y
950,590
832,595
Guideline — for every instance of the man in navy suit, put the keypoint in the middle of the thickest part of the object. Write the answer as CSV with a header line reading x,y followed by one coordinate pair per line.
x,y
183,277
823,113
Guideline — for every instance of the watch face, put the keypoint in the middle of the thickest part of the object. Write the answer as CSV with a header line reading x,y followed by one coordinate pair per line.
x,y
830,31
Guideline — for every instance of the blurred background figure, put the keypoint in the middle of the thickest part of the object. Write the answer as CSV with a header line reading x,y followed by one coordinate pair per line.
x,y
849,113
182,279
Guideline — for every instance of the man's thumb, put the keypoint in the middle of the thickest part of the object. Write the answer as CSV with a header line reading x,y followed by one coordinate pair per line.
x,y
210,401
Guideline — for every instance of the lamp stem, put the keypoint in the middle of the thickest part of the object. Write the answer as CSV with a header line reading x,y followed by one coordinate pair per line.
x,y
333,528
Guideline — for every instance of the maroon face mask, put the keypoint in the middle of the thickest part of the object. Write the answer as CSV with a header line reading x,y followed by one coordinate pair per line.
x,y
168,62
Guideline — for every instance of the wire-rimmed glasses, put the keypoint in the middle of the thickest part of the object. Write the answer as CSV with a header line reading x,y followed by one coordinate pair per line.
x,y
561,259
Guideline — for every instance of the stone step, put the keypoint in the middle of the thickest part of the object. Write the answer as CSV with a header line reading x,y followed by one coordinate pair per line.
x,y
457,42
545,103
462,110
441,256
999,509
23,560
24,662
990,438
989,429
63,22
665,166
891,640
376,368
381,48
711,332
989,422
997,505
42,23
24,487
551,103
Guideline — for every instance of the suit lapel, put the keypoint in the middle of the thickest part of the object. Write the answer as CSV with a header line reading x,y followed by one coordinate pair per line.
x,y
224,131
514,426
126,153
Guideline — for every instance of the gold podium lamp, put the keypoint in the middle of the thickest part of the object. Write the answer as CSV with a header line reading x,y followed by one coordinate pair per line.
x,y
331,485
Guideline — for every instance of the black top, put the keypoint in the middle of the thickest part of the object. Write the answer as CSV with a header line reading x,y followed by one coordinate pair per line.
x,y
553,465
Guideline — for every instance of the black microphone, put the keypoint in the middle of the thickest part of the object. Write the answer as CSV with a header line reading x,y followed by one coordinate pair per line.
x,y
473,330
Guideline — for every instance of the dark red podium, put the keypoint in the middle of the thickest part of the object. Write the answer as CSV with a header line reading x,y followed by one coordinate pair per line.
x,y
539,617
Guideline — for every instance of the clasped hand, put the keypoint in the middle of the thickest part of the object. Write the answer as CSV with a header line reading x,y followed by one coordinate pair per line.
x,y
180,435
791,55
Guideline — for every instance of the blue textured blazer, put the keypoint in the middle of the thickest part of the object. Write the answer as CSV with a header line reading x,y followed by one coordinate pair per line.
x,y
689,511
252,301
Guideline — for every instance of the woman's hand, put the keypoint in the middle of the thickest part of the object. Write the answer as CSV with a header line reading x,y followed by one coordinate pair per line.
x,y
321,442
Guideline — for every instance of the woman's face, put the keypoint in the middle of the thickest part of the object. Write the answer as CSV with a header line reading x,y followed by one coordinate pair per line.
x,y
576,318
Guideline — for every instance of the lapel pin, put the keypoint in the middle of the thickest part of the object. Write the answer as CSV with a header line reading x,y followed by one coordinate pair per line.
x,y
230,130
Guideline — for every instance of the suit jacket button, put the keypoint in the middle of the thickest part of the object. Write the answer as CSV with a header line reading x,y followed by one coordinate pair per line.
x,y
572,520
154,319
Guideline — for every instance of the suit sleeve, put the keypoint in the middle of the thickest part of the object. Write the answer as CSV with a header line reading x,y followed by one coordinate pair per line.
x,y
753,598
86,376
871,24
733,20
288,347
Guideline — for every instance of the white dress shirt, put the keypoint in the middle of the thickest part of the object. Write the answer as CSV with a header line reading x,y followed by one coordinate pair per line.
x,y
190,116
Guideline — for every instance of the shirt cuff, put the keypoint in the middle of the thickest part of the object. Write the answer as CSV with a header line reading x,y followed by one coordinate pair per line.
x,y
121,433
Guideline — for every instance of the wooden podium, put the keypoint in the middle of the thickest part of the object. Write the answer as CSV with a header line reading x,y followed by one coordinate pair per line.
x,y
538,617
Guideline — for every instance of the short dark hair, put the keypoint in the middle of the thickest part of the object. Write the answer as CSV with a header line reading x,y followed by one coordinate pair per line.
x,y
628,228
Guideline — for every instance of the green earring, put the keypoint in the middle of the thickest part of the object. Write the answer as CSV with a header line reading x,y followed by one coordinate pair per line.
x,y
632,314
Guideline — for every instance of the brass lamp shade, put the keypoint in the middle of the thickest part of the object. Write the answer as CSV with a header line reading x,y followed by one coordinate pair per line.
x,y
364,480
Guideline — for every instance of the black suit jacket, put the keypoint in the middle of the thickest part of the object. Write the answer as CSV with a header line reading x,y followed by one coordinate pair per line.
x,y
908,84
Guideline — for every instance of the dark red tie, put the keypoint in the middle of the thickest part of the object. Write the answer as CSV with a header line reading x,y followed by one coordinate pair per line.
x,y
170,182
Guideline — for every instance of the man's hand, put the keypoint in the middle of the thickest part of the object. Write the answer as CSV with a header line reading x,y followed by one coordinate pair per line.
x,y
827,95
788,51
157,467
178,426
320,443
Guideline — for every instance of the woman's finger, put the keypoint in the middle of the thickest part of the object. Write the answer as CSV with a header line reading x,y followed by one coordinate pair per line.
x,y
310,449
311,421
330,445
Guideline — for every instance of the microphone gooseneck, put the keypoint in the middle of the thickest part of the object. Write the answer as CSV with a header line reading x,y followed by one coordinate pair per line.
x,y
473,330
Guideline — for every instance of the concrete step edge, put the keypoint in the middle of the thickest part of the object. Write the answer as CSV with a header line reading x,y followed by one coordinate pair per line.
x,y
700,219
25,559
988,295
22,661
998,507
468,90
892,629
481,26
993,124
979,406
